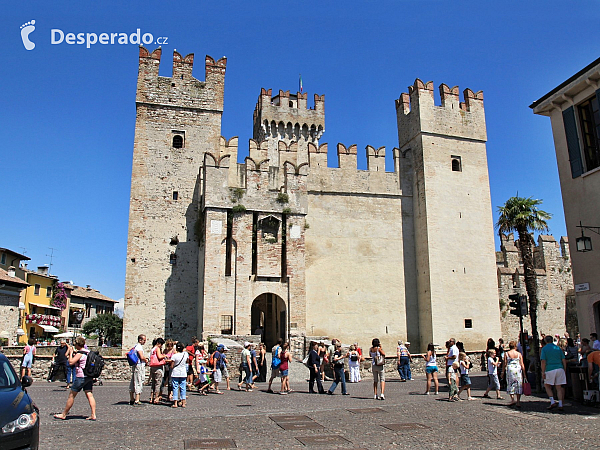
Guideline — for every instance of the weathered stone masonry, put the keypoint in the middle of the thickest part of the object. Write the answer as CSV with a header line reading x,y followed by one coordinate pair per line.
x,y
287,243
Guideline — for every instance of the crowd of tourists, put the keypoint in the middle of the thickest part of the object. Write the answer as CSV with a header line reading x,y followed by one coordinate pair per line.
x,y
176,369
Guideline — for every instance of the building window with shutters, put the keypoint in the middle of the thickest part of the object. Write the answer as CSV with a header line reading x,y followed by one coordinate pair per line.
x,y
589,121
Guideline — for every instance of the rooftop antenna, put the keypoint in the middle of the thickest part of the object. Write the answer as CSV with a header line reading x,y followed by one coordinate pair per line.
x,y
51,255
24,250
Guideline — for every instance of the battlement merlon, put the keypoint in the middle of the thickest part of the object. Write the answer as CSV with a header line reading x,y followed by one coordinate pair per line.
x,y
292,112
417,112
181,89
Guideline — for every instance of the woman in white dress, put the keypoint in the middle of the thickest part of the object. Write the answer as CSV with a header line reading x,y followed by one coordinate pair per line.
x,y
354,364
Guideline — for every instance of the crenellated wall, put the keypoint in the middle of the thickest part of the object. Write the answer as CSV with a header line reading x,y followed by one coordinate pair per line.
x,y
454,242
161,285
555,291
298,245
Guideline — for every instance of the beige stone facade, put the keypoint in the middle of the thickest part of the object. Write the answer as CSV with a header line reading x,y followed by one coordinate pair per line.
x,y
287,246
573,110
555,292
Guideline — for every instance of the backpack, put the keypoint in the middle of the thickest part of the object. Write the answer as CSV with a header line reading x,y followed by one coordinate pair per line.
x,y
132,357
275,363
211,360
93,365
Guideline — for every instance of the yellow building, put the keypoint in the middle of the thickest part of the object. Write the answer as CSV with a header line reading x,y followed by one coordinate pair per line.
x,y
40,319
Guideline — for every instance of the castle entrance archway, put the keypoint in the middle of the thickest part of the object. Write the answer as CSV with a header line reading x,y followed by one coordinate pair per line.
x,y
269,314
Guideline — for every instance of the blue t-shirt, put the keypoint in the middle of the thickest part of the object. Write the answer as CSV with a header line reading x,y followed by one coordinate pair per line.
x,y
553,355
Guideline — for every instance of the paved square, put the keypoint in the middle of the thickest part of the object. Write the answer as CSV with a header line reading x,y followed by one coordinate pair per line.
x,y
354,421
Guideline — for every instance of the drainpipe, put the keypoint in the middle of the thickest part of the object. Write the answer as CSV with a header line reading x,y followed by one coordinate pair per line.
x,y
234,243
288,309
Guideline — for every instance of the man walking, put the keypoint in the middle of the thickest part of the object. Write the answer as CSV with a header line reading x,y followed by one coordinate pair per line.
x,y
452,356
60,360
138,373
554,366
275,362
314,363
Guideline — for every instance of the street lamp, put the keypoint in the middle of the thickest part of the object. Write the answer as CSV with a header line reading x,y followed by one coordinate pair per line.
x,y
584,243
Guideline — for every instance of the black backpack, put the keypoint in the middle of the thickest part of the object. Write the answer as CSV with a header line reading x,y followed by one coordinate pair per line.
x,y
93,365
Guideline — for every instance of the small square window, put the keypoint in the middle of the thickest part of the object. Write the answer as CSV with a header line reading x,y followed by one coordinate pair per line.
x,y
468,323
178,139
226,324
456,163
36,289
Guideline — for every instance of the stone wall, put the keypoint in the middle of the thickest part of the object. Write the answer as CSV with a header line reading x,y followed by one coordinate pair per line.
x,y
9,313
555,291
161,285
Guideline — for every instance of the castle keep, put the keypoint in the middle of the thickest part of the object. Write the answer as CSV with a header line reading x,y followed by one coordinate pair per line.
x,y
289,244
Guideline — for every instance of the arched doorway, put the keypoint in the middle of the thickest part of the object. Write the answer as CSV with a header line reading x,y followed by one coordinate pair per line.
x,y
269,313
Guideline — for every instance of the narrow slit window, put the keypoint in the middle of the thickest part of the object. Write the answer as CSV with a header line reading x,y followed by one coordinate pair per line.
x,y
456,164
175,195
228,243
173,259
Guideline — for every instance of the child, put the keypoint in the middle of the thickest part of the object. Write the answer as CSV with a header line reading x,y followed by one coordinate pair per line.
x,y
203,382
493,382
465,380
453,375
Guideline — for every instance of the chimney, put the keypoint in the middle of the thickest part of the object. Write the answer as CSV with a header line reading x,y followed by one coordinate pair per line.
x,y
23,265
43,270
11,271
87,286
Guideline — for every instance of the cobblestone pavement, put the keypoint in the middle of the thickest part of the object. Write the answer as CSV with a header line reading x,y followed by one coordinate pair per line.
x,y
253,420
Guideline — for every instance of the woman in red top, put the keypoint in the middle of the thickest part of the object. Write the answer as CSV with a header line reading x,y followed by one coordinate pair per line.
x,y
157,364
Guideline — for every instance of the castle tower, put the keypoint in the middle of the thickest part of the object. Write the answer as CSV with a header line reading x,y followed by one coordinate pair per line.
x,y
178,121
454,233
285,118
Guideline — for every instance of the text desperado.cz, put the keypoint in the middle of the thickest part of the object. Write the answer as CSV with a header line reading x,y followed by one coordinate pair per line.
x,y
58,37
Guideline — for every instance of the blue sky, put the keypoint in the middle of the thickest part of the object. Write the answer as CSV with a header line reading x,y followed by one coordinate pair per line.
x,y
68,112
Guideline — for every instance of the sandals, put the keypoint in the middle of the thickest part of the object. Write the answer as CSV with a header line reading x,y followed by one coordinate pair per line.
x,y
59,417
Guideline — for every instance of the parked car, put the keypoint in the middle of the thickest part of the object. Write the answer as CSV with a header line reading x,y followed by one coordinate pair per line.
x,y
19,417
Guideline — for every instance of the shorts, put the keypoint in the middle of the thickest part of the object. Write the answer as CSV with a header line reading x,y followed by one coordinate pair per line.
x,y
27,361
225,372
431,369
284,373
556,377
190,370
217,376
138,373
465,379
493,382
82,384
274,372
378,374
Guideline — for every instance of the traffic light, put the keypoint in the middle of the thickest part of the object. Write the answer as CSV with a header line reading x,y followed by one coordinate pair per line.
x,y
515,304
523,305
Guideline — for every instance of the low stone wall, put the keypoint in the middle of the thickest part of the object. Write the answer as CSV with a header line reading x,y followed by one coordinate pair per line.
x,y
417,366
116,368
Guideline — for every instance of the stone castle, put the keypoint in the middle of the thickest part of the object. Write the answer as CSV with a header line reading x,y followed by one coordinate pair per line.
x,y
289,246
555,292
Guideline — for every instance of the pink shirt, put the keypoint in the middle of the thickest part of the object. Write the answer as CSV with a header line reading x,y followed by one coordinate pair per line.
x,y
81,363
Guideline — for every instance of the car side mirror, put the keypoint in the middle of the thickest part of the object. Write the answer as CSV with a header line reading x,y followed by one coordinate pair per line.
x,y
26,381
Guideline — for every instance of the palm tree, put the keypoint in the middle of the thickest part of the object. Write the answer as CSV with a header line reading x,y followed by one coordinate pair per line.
x,y
523,216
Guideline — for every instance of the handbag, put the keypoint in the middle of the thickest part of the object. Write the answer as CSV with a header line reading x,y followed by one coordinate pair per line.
x,y
379,360
526,388
305,362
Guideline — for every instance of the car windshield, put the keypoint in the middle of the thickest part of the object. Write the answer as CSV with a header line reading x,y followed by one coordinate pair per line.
x,y
8,377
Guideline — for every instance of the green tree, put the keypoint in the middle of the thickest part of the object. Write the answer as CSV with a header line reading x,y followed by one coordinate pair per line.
x,y
523,216
108,326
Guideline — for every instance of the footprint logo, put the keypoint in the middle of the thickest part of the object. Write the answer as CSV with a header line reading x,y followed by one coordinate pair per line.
x,y
26,30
